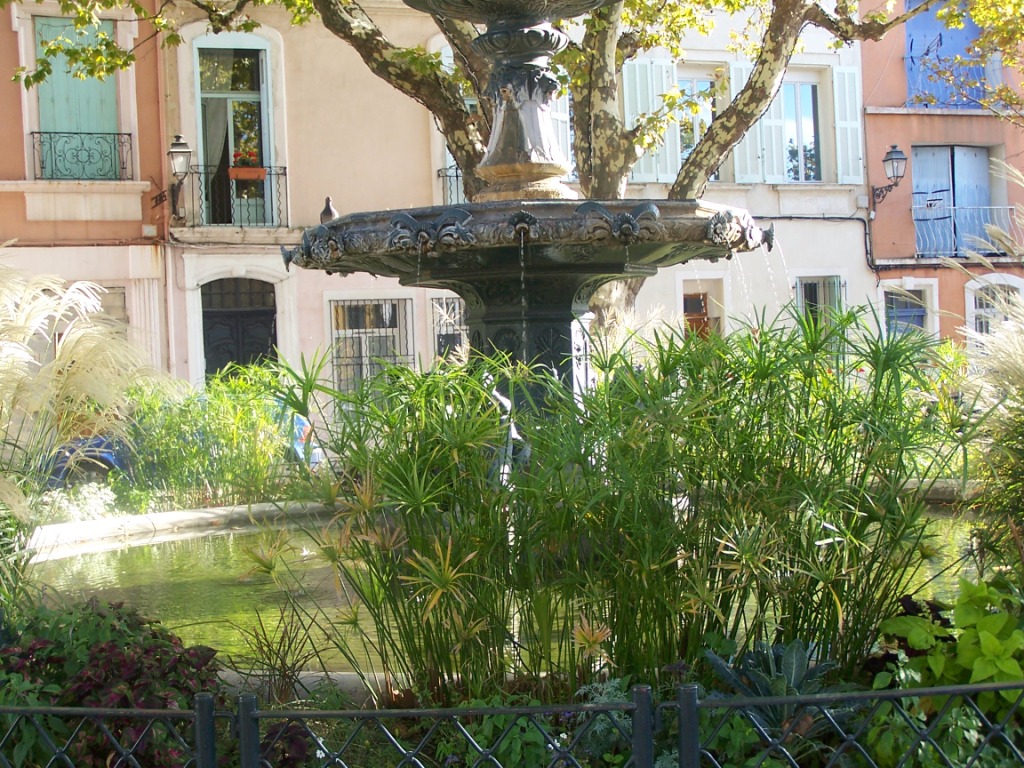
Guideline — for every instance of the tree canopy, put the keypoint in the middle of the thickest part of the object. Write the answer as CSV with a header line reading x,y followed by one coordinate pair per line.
x,y
606,146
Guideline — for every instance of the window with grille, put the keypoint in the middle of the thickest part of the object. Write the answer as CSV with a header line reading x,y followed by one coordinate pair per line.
x,y
819,297
369,336
448,317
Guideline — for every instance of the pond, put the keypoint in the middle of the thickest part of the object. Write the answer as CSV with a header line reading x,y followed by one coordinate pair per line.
x,y
206,589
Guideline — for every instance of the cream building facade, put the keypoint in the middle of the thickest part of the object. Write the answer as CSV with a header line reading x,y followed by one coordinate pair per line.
x,y
197,271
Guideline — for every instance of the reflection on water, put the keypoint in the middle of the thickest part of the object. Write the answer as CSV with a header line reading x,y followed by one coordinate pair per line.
x,y
205,588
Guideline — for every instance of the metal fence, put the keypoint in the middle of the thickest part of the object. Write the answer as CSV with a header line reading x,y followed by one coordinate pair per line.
x,y
957,727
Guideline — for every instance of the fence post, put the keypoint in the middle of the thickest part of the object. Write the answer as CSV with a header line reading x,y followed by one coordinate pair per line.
x,y
204,734
643,727
248,732
689,727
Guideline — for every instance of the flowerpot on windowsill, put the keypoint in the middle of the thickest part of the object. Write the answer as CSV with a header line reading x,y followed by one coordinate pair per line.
x,y
247,173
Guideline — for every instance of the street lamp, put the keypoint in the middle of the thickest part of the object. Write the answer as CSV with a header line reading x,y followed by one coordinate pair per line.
x,y
895,163
180,154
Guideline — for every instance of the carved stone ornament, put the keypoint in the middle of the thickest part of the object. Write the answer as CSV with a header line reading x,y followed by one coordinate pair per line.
x,y
488,11
485,238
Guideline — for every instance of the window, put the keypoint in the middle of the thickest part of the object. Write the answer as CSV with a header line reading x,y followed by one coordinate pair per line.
x,y
78,135
695,313
951,200
818,297
448,316
787,144
694,122
800,108
368,336
233,132
904,311
931,45
990,306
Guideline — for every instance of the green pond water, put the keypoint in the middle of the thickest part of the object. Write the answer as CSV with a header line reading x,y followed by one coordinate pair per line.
x,y
205,589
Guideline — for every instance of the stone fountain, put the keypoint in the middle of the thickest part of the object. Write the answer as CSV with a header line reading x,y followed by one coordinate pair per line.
x,y
525,255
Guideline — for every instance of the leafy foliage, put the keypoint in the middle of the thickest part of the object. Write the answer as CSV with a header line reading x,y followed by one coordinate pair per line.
x,y
226,444
93,656
764,487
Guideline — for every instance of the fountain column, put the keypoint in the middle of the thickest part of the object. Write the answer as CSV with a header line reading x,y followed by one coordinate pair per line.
x,y
524,255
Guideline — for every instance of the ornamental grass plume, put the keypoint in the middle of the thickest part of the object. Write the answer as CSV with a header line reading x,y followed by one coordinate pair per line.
x,y
64,370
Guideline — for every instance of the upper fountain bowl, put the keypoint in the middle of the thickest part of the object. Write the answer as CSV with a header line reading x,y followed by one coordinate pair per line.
x,y
490,11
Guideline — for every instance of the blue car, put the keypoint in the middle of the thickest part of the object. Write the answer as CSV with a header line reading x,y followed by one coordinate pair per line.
x,y
87,460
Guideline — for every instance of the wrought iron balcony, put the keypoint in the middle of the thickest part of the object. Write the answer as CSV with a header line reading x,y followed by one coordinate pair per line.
x,y
82,156
957,231
451,185
216,196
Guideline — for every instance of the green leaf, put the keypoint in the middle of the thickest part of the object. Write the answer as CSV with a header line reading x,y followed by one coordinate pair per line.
x,y
990,645
984,669
937,663
993,622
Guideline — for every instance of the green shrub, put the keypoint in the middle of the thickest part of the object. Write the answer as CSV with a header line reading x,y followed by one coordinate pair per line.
x,y
764,487
225,444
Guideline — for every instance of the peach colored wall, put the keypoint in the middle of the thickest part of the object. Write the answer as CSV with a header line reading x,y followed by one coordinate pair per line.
x,y
16,221
889,120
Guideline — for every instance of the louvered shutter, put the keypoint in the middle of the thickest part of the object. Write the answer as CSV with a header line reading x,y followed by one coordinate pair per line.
x,y
638,96
745,157
560,119
772,131
849,127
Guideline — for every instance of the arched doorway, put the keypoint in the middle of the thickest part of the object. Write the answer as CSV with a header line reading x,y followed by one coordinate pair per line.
x,y
239,322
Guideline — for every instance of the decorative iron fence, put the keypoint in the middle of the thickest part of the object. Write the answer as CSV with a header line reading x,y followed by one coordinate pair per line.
x,y
957,727
82,156
948,231
214,197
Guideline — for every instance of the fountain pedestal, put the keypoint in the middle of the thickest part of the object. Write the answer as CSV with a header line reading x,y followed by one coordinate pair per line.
x,y
524,255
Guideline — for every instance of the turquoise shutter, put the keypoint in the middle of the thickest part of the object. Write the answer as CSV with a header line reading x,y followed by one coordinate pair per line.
x,y
746,156
80,116
849,130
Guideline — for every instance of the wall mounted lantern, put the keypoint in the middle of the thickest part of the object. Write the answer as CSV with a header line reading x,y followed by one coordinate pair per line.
x,y
895,163
180,154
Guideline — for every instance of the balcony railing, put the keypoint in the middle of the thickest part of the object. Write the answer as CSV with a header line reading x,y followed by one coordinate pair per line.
x,y
451,185
212,198
958,231
82,156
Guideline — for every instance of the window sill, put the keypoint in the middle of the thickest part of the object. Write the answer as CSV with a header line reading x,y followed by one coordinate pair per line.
x,y
80,200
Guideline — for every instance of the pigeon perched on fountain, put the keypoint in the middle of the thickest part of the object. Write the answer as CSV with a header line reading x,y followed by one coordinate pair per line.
x,y
329,213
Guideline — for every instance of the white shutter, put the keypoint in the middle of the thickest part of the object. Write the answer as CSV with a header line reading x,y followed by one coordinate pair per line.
x,y
773,141
745,157
667,159
638,96
447,59
849,128
560,119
